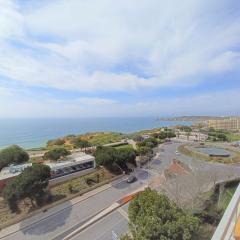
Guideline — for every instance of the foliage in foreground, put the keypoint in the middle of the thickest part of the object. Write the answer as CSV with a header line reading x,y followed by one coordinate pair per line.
x,y
154,216
31,184
12,155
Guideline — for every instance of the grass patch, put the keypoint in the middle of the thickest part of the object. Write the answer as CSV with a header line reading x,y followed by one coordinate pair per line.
x,y
226,196
105,138
81,183
233,137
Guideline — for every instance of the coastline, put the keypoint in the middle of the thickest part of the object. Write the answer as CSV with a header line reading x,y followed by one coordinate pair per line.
x,y
33,134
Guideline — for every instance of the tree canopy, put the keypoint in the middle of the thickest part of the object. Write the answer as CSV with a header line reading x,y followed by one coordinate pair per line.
x,y
109,156
28,184
12,154
185,128
165,134
54,142
149,142
78,143
56,153
217,136
153,216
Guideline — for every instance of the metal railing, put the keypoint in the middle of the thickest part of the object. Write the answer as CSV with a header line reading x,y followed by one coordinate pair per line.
x,y
225,228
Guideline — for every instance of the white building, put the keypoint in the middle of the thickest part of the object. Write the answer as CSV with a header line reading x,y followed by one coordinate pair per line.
x,y
192,136
74,165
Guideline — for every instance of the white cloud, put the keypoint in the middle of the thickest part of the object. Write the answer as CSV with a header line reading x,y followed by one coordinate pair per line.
x,y
225,61
110,46
156,38
11,21
24,105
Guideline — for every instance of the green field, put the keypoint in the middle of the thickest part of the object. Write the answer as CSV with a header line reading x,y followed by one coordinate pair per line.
x,y
233,137
105,138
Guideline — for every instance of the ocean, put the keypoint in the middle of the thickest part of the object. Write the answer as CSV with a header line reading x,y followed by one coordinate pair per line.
x,y
31,133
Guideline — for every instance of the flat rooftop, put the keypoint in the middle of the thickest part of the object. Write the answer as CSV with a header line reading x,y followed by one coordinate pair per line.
x,y
73,159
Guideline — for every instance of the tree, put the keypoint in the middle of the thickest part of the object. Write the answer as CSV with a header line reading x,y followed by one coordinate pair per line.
x,y
10,195
185,128
109,157
56,153
154,216
125,237
54,142
150,142
31,184
105,156
124,156
78,143
13,154
144,151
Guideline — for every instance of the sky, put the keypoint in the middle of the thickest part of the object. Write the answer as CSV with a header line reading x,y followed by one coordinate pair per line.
x,y
105,58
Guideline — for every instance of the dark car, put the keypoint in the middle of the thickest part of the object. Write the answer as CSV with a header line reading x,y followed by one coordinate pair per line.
x,y
131,179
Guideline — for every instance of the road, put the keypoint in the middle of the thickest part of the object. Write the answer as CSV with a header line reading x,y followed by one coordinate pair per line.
x,y
59,225
73,216
103,230
117,221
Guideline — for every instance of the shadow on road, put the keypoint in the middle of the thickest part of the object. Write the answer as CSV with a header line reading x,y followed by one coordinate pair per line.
x,y
143,175
47,224
156,162
121,185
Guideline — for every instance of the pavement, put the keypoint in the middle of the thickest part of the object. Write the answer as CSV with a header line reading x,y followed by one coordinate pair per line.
x,y
114,223
66,217
54,223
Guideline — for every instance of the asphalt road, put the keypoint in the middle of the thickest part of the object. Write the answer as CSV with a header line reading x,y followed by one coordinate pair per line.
x,y
114,223
117,221
55,226
58,225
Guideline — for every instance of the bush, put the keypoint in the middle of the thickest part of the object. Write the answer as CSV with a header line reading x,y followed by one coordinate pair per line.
x,y
78,143
154,216
13,154
31,184
56,153
150,142
54,142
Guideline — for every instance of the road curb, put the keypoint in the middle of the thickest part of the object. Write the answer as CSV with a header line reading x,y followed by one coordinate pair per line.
x,y
55,213
104,213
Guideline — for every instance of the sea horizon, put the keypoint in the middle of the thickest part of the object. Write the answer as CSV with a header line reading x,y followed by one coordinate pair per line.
x,y
35,132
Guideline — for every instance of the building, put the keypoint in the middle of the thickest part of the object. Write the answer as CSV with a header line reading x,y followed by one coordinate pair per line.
x,y
74,165
232,123
191,136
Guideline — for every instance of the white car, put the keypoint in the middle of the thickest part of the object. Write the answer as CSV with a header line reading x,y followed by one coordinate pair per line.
x,y
177,152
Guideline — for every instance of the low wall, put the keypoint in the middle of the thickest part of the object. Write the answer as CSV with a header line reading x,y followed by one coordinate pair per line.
x,y
58,180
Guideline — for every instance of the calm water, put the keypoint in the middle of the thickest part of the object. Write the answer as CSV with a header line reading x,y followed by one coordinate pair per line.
x,y
31,133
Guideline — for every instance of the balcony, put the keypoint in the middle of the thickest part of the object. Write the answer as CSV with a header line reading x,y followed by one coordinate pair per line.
x,y
229,226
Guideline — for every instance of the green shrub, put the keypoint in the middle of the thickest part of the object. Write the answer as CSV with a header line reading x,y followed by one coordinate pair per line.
x,y
13,155
56,153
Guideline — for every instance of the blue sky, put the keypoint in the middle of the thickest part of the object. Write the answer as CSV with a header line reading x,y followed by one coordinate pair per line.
x,y
78,58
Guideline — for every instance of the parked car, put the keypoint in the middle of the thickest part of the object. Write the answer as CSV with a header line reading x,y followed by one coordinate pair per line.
x,y
177,152
131,179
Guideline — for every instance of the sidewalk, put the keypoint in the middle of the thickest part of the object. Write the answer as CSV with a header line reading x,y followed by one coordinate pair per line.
x,y
104,213
51,211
